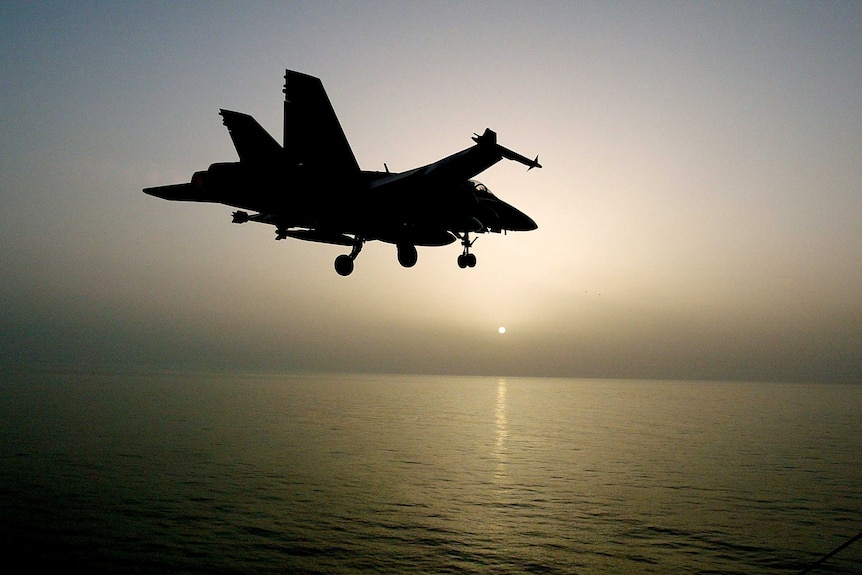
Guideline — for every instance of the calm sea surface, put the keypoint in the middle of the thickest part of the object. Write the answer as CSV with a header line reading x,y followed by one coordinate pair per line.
x,y
209,473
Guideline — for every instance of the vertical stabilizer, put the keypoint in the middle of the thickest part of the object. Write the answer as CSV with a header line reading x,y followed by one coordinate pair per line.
x,y
312,134
253,144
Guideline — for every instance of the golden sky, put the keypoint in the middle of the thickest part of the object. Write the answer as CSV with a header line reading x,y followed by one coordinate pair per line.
x,y
699,207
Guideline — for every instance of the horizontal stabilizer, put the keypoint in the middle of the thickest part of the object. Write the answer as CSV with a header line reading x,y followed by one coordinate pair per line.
x,y
176,192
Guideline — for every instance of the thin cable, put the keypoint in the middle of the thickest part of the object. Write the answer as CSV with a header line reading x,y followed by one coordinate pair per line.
x,y
831,553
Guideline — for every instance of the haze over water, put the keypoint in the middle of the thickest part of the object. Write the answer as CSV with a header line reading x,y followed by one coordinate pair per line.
x,y
405,474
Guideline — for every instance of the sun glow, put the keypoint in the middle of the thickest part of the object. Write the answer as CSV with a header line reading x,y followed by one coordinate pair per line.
x,y
501,330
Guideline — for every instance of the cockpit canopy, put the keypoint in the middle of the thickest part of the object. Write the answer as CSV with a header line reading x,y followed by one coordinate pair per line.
x,y
495,214
481,190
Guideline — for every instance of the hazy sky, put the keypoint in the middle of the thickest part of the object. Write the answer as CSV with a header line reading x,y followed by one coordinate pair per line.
x,y
699,209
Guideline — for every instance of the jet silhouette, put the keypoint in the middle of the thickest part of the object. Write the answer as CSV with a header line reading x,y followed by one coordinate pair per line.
x,y
312,188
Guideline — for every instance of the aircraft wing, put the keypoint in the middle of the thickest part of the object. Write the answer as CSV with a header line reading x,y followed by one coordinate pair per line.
x,y
252,142
312,134
468,163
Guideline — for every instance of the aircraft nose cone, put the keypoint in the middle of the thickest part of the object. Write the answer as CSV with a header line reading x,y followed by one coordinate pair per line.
x,y
511,218
527,223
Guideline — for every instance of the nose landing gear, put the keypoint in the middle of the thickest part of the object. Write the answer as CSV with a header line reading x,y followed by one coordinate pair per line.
x,y
466,259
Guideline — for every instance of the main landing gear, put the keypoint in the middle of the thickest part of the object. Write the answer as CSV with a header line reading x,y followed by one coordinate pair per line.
x,y
407,255
466,259
344,262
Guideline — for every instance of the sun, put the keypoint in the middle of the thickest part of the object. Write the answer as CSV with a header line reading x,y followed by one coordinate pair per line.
x,y
501,330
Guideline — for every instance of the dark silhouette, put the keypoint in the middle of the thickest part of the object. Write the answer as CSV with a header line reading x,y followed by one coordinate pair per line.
x,y
312,188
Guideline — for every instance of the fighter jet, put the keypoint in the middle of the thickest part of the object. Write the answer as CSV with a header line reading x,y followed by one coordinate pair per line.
x,y
312,188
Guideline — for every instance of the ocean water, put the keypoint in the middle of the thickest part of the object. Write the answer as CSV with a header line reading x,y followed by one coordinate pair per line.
x,y
203,473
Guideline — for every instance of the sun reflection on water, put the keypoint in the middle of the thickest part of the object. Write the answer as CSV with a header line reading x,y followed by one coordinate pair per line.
x,y
501,433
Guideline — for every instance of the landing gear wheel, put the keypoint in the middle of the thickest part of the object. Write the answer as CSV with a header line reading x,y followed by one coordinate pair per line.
x,y
462,261
344,265
407,255
344,262
470,260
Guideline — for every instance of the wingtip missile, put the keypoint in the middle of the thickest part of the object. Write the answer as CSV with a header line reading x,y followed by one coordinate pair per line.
x,y
534,164
489,138
510,155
